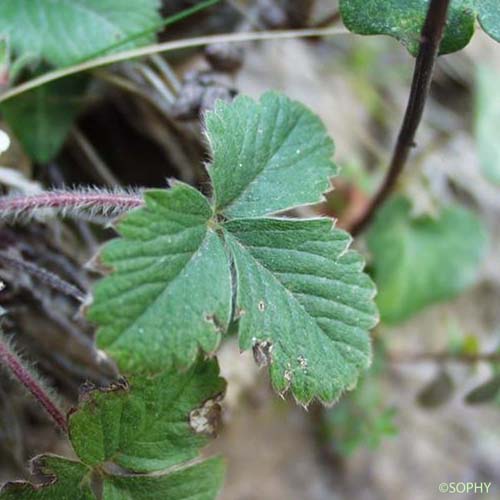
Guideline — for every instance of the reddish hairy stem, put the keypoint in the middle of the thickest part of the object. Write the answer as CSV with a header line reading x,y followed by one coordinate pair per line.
x,y
431,36
67,201
14,364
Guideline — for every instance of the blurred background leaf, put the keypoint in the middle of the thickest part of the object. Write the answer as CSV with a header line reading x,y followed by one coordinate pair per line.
x,y
487,121
64,33
42,118
362,418
421,260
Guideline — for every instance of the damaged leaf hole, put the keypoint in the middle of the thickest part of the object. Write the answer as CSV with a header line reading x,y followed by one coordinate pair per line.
x,y
239,313
214,322
207,418
302,363
262,352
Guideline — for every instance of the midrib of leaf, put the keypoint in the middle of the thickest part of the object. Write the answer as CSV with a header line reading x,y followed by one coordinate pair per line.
x,y
47,23
325,338
276,149
308,254
166,288
114,27
73,5
153,28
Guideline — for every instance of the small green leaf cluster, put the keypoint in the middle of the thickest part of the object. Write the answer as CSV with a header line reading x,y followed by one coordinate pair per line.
x,y
137,438
420,260
362,419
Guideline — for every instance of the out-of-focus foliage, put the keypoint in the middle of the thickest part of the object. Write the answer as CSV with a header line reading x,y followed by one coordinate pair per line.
x,y
487,121
403,20
42,117
421,260
363,418
62,33
487,392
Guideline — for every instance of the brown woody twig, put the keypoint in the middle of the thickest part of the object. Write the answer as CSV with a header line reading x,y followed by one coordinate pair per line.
x,y
431,36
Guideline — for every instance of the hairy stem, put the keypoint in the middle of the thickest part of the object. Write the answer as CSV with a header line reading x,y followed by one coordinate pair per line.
x,y
71,202
431,36
46,277
16,367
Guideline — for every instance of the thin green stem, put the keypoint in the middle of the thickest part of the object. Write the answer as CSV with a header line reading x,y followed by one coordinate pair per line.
x,y
167,47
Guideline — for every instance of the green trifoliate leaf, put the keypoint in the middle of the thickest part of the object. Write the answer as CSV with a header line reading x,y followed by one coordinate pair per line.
x,y
404,19
268,156
170,292
487,122
422,260
304,304
64,32
63,479
150,423
41,118
198,482
489,17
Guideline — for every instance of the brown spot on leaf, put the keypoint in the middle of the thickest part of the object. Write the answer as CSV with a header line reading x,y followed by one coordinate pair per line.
x,y
214,321
239,313
302,362
206,419
87,390
96,265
